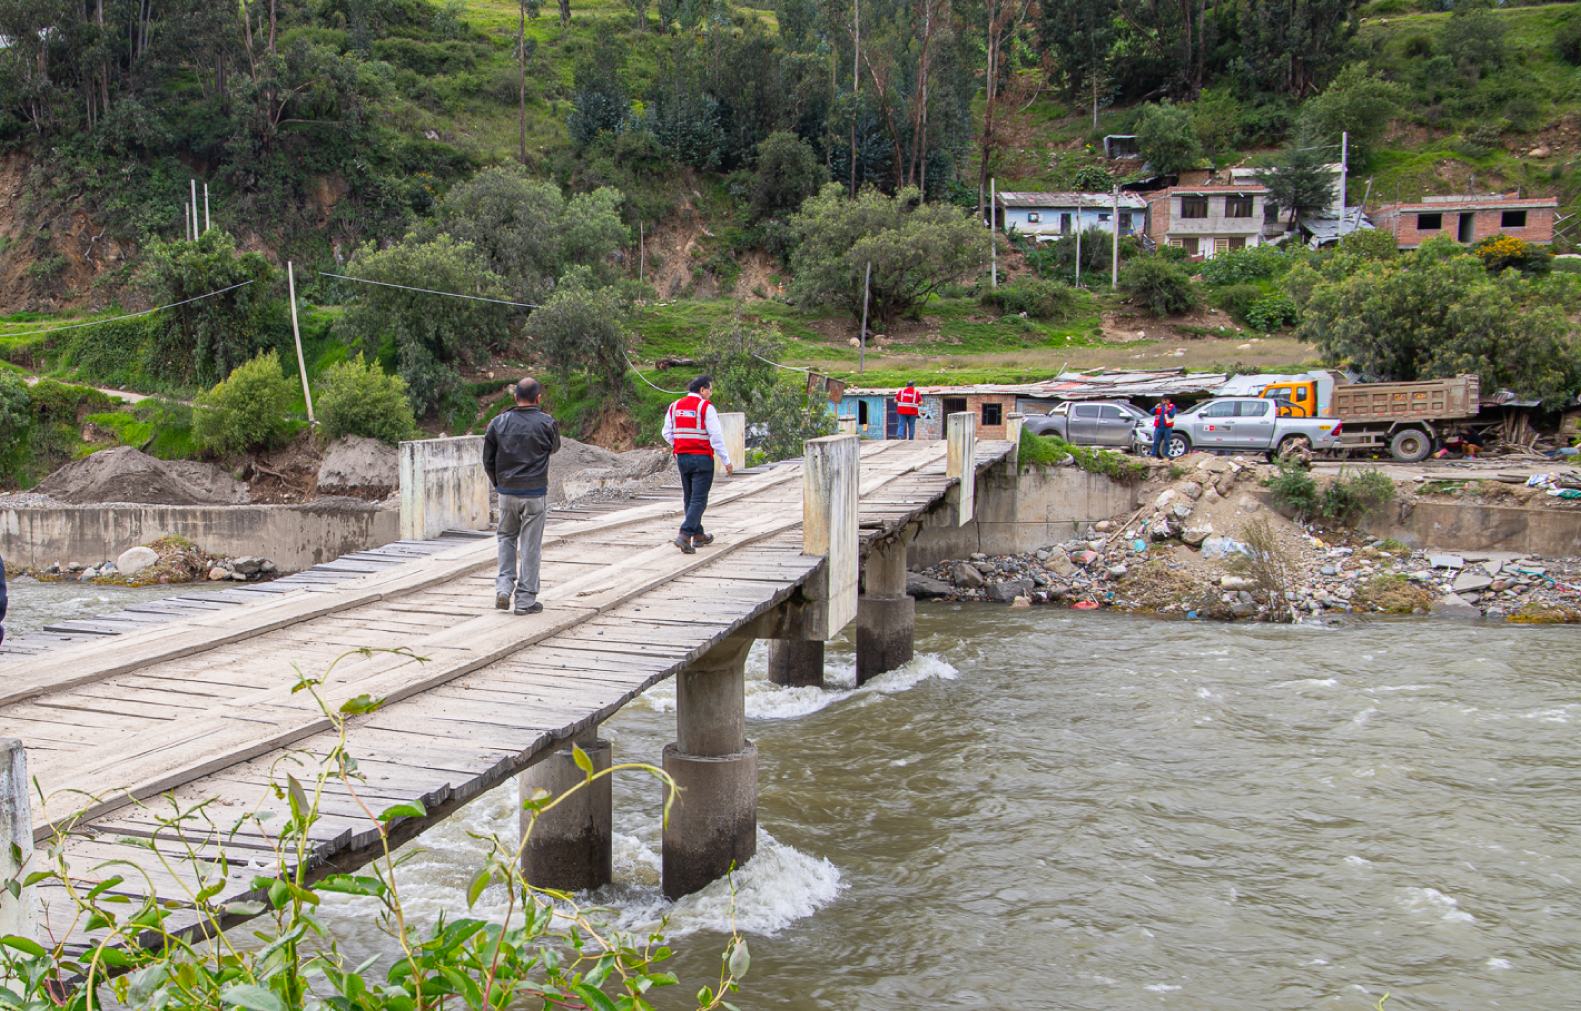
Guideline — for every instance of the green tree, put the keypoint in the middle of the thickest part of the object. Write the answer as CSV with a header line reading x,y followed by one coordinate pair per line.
x,y
1436,313
585,327
15,421
788,173
431,334
529,233
204,340
1168,138
734,354
1474,38
913,248
1299,180
356,397
1287,48
248,410
1357,102
1081,34
1216,116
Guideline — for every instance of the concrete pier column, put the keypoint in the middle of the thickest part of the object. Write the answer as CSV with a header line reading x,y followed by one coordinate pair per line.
x,y
796,663
570,846
714,823
18,915
961,433
886,617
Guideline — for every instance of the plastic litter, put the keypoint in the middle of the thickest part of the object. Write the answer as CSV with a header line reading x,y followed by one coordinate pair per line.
x,y
1218,547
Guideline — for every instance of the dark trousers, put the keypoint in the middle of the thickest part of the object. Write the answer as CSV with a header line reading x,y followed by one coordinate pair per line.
x,y
697,477
1161,441
908,426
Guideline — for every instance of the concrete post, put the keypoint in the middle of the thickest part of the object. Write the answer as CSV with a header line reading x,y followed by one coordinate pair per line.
x,y
714,823
443,487
848,424
886,617
570,846
734,424
17,915
830,502
795,657
961,431
1014,422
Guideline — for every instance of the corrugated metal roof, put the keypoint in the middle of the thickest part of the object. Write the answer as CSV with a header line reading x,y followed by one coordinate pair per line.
x,y
1081,386
1071,200
1329,229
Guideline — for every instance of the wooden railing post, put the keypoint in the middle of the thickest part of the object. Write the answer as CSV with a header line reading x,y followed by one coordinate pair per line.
x,y
18,914
830,481
961,431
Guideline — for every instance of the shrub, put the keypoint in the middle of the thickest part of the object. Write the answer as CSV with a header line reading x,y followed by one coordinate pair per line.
x,y
1237,299
246,411
1293,488
1162,286
15,416
1347,498
1271,312
1567,40
1369,244
1037,298
1505,252
1168,137
1237,266
356,397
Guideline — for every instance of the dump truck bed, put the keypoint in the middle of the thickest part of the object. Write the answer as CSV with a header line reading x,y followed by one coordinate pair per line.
x,y
1429,400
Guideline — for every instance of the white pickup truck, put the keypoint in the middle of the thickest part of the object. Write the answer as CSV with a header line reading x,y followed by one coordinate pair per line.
x,y
1242,424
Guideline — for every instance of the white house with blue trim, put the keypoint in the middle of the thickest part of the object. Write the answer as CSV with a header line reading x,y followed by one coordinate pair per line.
x,y
1047,216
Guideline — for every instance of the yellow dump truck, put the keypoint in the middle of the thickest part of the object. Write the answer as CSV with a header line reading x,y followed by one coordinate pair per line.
x,y
1407,419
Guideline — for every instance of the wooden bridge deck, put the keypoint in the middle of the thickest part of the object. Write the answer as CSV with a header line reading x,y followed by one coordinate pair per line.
x,y
202,707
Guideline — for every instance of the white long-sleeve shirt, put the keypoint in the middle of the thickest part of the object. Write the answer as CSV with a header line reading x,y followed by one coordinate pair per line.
x,y
716,432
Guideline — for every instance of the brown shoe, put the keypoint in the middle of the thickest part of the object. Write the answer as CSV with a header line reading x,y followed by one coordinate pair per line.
x,y
702,540
685,544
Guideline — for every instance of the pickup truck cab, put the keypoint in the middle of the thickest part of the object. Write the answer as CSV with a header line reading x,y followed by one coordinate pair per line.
x,y
1089,422
1243,424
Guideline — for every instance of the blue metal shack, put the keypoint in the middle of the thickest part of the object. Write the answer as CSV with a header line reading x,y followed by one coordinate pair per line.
x,y
874,413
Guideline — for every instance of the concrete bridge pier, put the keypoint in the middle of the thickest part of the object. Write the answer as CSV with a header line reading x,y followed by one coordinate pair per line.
x,y
569,848
795,655
886,617
713,825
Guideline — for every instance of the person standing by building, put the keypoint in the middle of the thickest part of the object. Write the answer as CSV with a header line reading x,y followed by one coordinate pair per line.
x,y
516,451
691,427
907,403
1163,427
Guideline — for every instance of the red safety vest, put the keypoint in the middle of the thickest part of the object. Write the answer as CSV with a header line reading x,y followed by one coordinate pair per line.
x,y
906,401
689,416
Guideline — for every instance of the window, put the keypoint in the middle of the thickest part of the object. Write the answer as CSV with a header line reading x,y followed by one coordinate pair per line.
x,y
1237,207
1220,245
1064,224
1225,409
993,414
1191,246
1113,414
1103,217
1033,217
1087,410
1513,219
1251,408
954,405
1125,221
1429,222
861,413
1270,213
1237,242
1193,207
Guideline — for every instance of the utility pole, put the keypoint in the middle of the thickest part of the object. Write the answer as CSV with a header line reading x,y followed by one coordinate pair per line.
x,y
861,354
993,245
1114,219
186,220
195,231
296,332
206,224
1079,204
1344,159
642,253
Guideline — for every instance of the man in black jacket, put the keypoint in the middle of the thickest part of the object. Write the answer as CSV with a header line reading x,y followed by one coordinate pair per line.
x,y
516,451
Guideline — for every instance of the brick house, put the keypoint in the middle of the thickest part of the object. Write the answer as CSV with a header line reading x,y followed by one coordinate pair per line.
x,y
1469,218
1207,219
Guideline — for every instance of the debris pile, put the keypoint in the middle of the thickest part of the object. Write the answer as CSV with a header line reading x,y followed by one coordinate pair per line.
x,y
165,560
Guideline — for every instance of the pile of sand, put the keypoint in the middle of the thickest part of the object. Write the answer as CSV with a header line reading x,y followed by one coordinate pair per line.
x,y
125,474
358,466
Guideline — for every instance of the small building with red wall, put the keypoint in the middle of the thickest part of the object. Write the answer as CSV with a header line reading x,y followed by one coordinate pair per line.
x,y
1469,219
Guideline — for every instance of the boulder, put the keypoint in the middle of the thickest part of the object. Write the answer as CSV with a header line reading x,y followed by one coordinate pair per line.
x,y
217,574
1060,565
926,587
247,566
1452,605
1021,602
1195,534
1470,582
1191,490
1248,504
1166,499
1240,583
359,466
1007,591
135,560
966,575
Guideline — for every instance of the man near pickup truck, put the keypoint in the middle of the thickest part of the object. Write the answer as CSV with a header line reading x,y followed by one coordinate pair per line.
x,y
1163,427
516,451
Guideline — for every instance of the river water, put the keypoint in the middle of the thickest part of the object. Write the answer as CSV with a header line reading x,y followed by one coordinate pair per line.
x,y
34,604
1064,810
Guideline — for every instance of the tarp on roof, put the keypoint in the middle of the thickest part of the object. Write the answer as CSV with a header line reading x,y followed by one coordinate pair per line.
x,y
1326,230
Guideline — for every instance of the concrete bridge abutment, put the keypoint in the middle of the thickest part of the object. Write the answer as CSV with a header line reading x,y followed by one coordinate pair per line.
x,y
795,656
713,824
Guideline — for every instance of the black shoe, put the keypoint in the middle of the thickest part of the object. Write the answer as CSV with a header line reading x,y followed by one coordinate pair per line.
x,y
701,540
685,544
502,602
533,608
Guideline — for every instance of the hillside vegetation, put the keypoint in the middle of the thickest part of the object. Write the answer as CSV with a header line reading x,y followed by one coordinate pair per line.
x,y
631,182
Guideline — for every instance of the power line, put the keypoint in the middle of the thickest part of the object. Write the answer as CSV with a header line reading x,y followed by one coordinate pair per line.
x,y
430,291
788,368
673,393
130,315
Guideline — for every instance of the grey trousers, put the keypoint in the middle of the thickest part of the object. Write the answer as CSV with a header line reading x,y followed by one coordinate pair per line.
x,y
521,520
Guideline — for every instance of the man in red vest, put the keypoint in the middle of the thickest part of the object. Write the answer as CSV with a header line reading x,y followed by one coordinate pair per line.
x,y
691,427
907,402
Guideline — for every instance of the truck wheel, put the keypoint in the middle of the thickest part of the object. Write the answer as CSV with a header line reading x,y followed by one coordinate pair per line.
x,y
1410,445
1178,446
1292,447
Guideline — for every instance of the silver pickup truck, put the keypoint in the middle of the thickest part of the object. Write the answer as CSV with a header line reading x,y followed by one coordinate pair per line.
x,y
1089,423
1242,424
